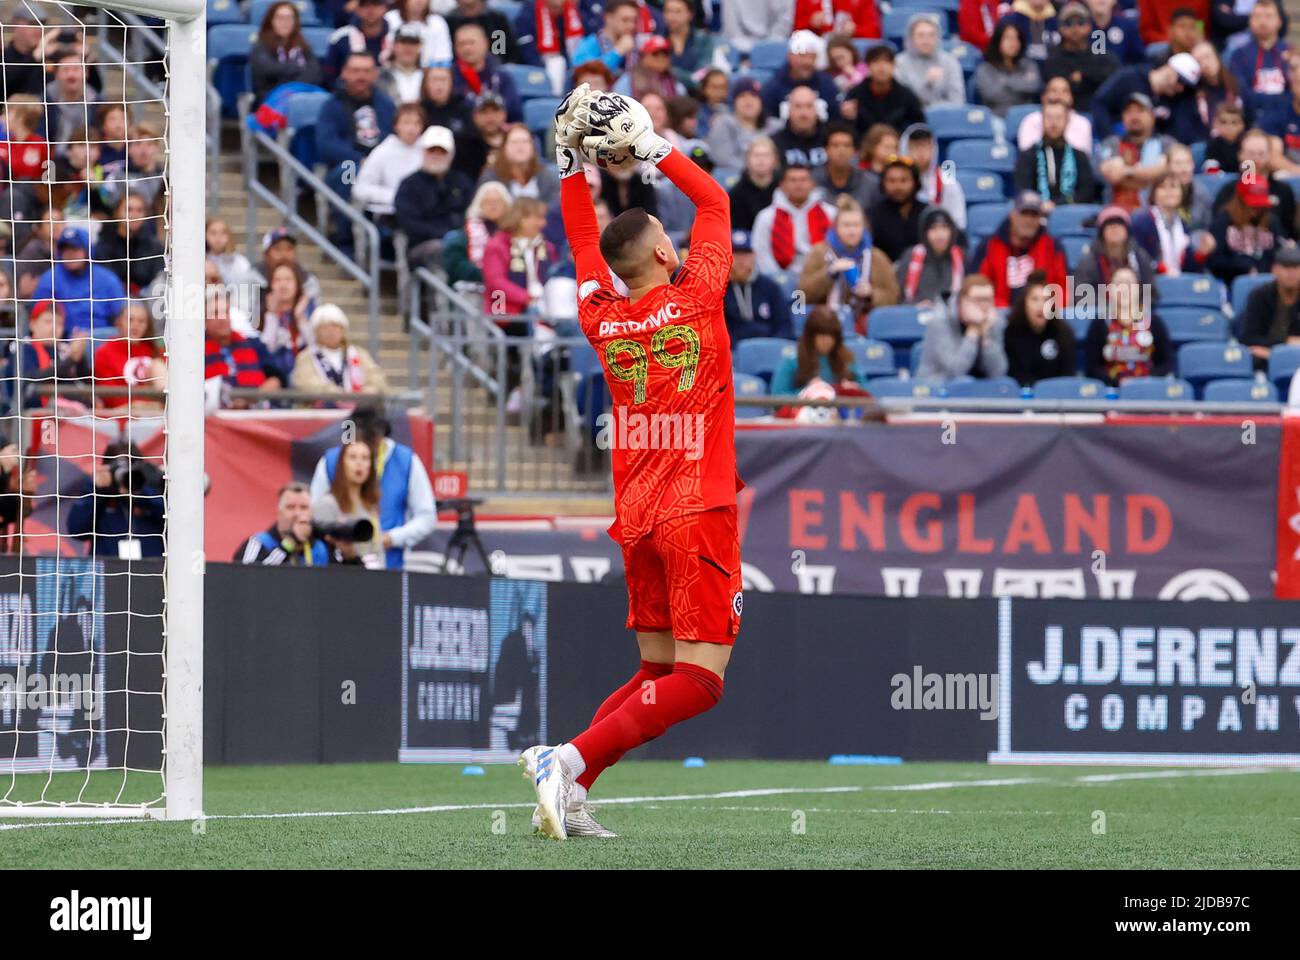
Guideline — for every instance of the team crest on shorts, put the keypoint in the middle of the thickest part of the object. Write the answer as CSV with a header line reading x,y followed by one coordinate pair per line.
x,y
737,602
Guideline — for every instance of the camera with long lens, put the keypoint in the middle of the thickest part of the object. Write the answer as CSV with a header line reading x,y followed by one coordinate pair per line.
x,y
131,476
351,531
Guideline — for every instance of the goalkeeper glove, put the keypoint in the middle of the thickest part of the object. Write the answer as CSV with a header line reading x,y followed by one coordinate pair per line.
x,y
571,117
567,159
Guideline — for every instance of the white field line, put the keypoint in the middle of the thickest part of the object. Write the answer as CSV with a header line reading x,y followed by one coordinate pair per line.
x,y
673,798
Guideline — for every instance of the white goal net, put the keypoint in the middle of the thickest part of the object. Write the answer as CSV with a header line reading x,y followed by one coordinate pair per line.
x,y
101,408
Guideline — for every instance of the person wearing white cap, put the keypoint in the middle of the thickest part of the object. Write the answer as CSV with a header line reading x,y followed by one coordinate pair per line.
x,y
805,56
333,365
1170,87
432,201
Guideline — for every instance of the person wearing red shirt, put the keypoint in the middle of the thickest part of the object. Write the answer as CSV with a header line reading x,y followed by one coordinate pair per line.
x,y
23,153
846,18
135,359
977,18
1154,17
1021,246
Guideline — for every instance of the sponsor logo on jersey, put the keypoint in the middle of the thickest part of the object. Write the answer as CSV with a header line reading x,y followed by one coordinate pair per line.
x,y
669,311
737,602
587,289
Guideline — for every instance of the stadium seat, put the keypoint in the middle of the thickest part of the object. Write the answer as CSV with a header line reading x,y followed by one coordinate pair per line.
x,y
1069,388
539,113
1188,324
1283,361
894,23
768,55
874,358
982,186
301,115
318,38
1212,182
964,122
1190,290
898,326
1015,116
983,219
509,7
306,12
1198,154
1074,248
968,55
748,385
1069,220
1198,363
982,155
994,388
1241,288
583,359
221,12
726,176
760,356
228,47
1240,390
1156,388
904,387
1077,320
865,44
531,82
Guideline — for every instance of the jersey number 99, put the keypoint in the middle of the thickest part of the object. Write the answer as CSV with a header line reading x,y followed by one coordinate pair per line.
x,y
688,358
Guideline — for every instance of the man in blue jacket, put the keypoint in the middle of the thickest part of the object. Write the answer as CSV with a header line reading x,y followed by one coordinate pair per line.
x,y
476,72
800,70
433,200
1170,88
366,32
90,294
754,305
1259,64
351,124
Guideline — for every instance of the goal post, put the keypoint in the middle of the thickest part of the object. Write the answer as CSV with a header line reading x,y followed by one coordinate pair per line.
x,y
164,711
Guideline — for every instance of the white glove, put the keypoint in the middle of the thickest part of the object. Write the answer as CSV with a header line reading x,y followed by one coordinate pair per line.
x,y
571,123
567,159
621,125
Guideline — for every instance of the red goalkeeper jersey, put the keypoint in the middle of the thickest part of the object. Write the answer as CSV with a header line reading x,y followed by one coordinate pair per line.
x,y
667,362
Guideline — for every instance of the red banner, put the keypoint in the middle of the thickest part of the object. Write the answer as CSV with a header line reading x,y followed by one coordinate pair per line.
x,y
1288,512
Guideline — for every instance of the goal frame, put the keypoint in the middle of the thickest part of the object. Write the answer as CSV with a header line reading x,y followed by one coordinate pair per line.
x,y
184,558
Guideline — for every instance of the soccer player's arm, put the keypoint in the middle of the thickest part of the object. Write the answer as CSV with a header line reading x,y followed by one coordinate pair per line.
x,y
583,233
708,263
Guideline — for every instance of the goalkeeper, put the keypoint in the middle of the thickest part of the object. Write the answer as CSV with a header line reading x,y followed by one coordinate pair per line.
x,y
667,357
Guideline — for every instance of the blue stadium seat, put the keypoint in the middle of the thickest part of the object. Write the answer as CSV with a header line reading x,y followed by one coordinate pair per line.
x,y
1199,363
1283,361
531,82
726,176
1243,285
221,12
1015,116
898,326
1213,182
768,55
301,115
748,385
509,7
982,186
968,55
894,23
983,219
994,388
1240,390
318,38
1191,290
228,47
1069,388
1188,324
964,122
1068,220
864,44
1074,248
873,357
1078,320
982,155
539,113
760,356
1156,388
306,12
900,387
1198,154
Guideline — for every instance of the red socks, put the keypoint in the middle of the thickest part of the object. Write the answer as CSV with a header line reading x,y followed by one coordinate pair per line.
x,y
645,714
650,670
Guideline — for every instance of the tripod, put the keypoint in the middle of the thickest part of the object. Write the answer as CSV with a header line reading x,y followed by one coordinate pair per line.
x,y
464,536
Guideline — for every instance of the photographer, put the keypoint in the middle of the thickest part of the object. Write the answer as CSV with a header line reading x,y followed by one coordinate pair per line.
x,y
124,516
290,541
348,516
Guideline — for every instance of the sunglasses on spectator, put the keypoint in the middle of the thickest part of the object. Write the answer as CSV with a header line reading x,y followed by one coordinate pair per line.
x,y
1074,22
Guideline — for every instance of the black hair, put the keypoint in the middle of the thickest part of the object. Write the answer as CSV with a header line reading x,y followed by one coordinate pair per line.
x,y
881,52
840,126
993,52
623,233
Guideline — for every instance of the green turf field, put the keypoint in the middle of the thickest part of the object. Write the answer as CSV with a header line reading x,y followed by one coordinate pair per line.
x,y
728,814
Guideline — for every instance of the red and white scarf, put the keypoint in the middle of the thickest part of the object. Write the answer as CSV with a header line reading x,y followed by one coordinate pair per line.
x,y
1173,243
917,264
784,236
549,39
350,377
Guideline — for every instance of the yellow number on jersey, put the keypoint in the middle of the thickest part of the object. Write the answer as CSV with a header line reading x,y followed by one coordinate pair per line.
x,y
688,358
637,371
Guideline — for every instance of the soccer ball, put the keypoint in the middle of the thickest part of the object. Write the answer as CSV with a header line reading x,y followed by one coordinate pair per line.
x,y
617,160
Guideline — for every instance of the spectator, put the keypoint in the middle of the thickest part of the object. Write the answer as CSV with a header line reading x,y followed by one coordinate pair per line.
x,y
840,174
1020,246
403,78
48,352
1075,58
492,23
143,173
281,53
476,72
1229,24
797,220
332,364
1259,64
683,120
713,91
614,44
1218,88
1125,339
624,189
366,32
977,19
880,98
1246,232
113,125
80,189
595,74
281,246
1035,20
1159,229
407,511
1078,128
938,187
653,73
230,358
840,19
137,358
731,134
676,211
23,153
1038,343
1054,169
1166,85
435,35
1113,249
1184,31
462,251
16,500
845,64
754,190
935,267
121,511
1257,155
846,271
289,541
516,262
432,200
478,146
754,305
804,52
748,24
691,49
395,159
1272,314
1282,122
1223,151
90,295
880,143
1158,17
896,217
1131,162
547,33
353,496
965,340
930,72
1197,205
519,168
351,123
241,320
803,138
25,55
129,247
282,323
444,105
1006,77
67,99
35,255
821,355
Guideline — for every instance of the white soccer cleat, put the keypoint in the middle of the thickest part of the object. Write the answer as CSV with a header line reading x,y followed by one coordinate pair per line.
x,y
553,783
579,821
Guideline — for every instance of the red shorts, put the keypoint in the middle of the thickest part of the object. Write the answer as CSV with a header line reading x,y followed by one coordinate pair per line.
x,y
684,577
